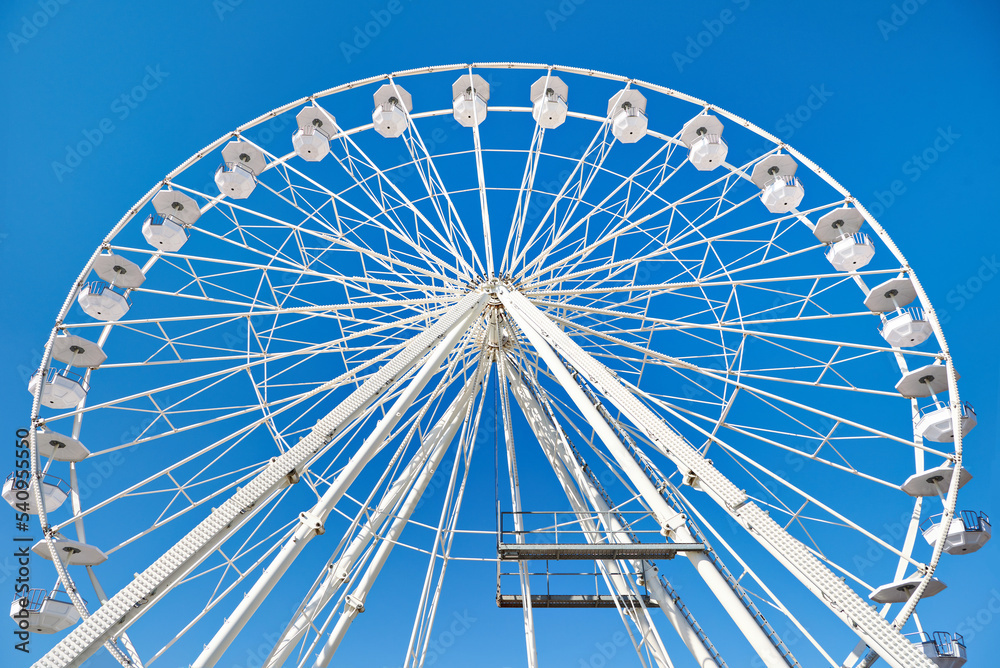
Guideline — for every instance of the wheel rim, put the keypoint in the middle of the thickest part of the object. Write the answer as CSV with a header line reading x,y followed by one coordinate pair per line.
x,y
702,275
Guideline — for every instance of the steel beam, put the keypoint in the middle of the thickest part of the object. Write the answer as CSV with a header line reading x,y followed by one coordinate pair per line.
x,y
340,570
149,586
629,601
439,438
551,342
311,522
535,404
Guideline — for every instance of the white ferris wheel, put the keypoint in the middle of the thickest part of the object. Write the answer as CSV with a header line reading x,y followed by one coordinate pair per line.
x,y
557,334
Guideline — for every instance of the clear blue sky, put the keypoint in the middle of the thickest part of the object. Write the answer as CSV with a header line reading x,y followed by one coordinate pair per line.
x,y
151,83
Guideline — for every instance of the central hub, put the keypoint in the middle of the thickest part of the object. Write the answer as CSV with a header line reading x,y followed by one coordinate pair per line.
x,y
495,331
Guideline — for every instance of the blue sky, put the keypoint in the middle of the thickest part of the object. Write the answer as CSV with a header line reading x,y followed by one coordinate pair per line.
x,y
895,100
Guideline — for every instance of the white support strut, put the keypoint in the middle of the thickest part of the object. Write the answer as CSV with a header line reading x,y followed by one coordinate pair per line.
x,y
616,581
515,494
121,610
672,521
430,450
438,439
557,451
553,439
828,588
312,523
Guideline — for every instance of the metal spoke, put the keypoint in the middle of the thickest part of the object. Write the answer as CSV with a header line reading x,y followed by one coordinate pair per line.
x,y
301,353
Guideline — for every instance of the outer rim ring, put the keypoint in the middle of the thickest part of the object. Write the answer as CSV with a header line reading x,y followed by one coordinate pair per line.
x,y
950,502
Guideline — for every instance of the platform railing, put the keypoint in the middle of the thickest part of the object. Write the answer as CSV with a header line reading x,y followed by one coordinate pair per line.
x,y
974,520
98,287
666,489
632,535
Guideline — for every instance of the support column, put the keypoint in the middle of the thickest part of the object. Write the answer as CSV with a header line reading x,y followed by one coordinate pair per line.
x,y
672,521
311,522
549,441
439,439
791,553
515,495
558,450
429,451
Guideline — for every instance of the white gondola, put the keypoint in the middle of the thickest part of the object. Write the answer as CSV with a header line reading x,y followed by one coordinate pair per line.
x,y
103,301
549,106
780,191
945,650
851,253
242,163
703,137
969,530
934,422
235,180
708,152
392,107
59,447
71,552
43,612
167,229
627,111
469,96
18,493
163,233
907,328
61,388
847,249
312,140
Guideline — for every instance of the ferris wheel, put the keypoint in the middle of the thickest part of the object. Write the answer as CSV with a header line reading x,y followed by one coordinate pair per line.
x,y
583,340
